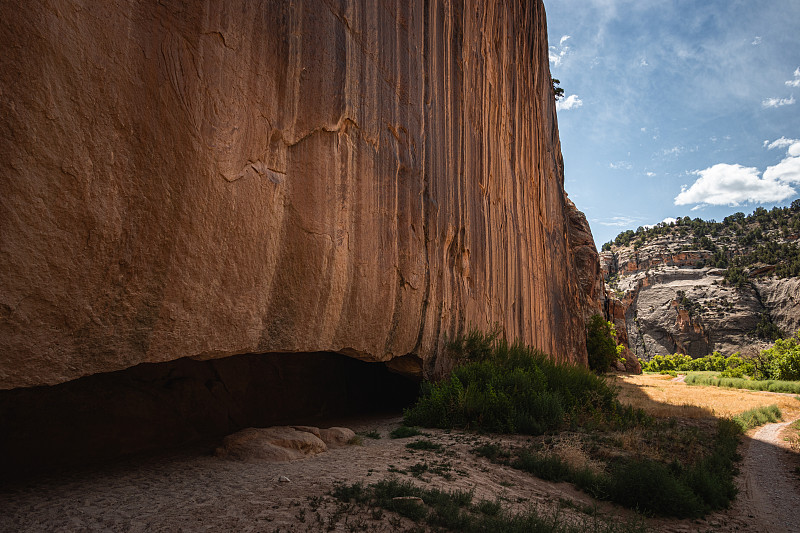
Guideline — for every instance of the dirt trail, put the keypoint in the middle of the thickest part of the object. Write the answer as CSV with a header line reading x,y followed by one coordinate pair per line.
x,y
768,492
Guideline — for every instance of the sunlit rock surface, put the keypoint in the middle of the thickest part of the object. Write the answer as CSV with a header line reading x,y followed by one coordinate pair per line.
x,y
203,179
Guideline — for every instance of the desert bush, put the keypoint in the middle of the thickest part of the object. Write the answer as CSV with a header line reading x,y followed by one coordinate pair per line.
x,y
405,431
649,486
601,343
511,388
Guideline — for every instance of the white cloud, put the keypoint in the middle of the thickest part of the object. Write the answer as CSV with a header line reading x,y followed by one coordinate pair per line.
x,y
778,102
620,165
783,142
650,174
788,170
724,184
796,81
644,63
570,102
558,53
756,41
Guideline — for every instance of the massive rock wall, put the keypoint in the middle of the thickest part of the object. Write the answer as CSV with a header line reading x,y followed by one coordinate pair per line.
x,y
211,178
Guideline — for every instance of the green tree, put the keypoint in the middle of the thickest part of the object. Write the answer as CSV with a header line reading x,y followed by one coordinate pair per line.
x,y
558,92
784,358
601,343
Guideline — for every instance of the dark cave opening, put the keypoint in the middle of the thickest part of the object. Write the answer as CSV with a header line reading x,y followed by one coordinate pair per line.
x,y
155,406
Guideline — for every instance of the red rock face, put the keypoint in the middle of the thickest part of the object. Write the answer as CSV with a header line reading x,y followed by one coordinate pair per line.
x,y
212,178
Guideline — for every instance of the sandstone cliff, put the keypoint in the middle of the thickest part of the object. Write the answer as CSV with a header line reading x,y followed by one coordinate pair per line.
x,y
212,178
669,295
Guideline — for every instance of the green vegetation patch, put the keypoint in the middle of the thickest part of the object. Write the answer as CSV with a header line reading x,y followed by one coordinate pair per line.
x,y
758,417
780,362
425,445
791,387
644,484
456,510
512,388
738,242
403,432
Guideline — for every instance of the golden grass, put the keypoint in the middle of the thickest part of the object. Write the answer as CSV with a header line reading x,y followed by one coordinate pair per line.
x,y
663,397
572,450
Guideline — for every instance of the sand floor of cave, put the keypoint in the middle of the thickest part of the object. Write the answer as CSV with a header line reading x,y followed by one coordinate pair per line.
x,y
191,490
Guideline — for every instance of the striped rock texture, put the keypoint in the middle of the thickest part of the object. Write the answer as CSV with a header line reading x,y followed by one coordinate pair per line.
x,y
209,178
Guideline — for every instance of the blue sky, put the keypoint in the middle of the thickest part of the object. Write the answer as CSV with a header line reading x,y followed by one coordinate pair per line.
x,y
676,108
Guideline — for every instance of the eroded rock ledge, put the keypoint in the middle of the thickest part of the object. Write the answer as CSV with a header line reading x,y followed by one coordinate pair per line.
x,y
202,179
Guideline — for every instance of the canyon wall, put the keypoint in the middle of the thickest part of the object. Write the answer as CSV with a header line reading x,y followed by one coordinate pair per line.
x,y
205,179
667,301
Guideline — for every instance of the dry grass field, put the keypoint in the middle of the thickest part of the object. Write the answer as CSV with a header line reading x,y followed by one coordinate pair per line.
x,y
665,396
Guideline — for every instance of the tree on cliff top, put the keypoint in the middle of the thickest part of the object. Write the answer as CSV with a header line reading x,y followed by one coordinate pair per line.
x,y
558,92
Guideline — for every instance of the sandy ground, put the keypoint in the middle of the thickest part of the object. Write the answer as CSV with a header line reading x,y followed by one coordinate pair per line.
x,y
194,491
768,493
191,490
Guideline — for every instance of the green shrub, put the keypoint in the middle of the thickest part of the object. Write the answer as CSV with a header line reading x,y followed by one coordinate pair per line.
x,y
514,389
547,467
649,486
601,343
644,484
404,432
425,445
758,417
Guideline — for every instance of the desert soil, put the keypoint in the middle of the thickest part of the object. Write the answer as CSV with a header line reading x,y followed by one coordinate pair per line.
x,y
191,490
769,493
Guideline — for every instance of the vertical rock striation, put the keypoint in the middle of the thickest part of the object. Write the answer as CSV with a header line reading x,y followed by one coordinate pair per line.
x,y
213,178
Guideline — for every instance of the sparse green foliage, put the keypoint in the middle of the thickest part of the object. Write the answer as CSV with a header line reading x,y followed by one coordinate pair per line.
x,y
644,484
758,238
424,444
766,329
404,432
456,511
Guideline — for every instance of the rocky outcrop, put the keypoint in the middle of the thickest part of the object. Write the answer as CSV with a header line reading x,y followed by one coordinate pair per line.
x,y
278,444
587,262
667,302
781,299
679,310
212,178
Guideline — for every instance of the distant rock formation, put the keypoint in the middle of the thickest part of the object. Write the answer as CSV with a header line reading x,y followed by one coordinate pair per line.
x,y
204,179
668,296
594,297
